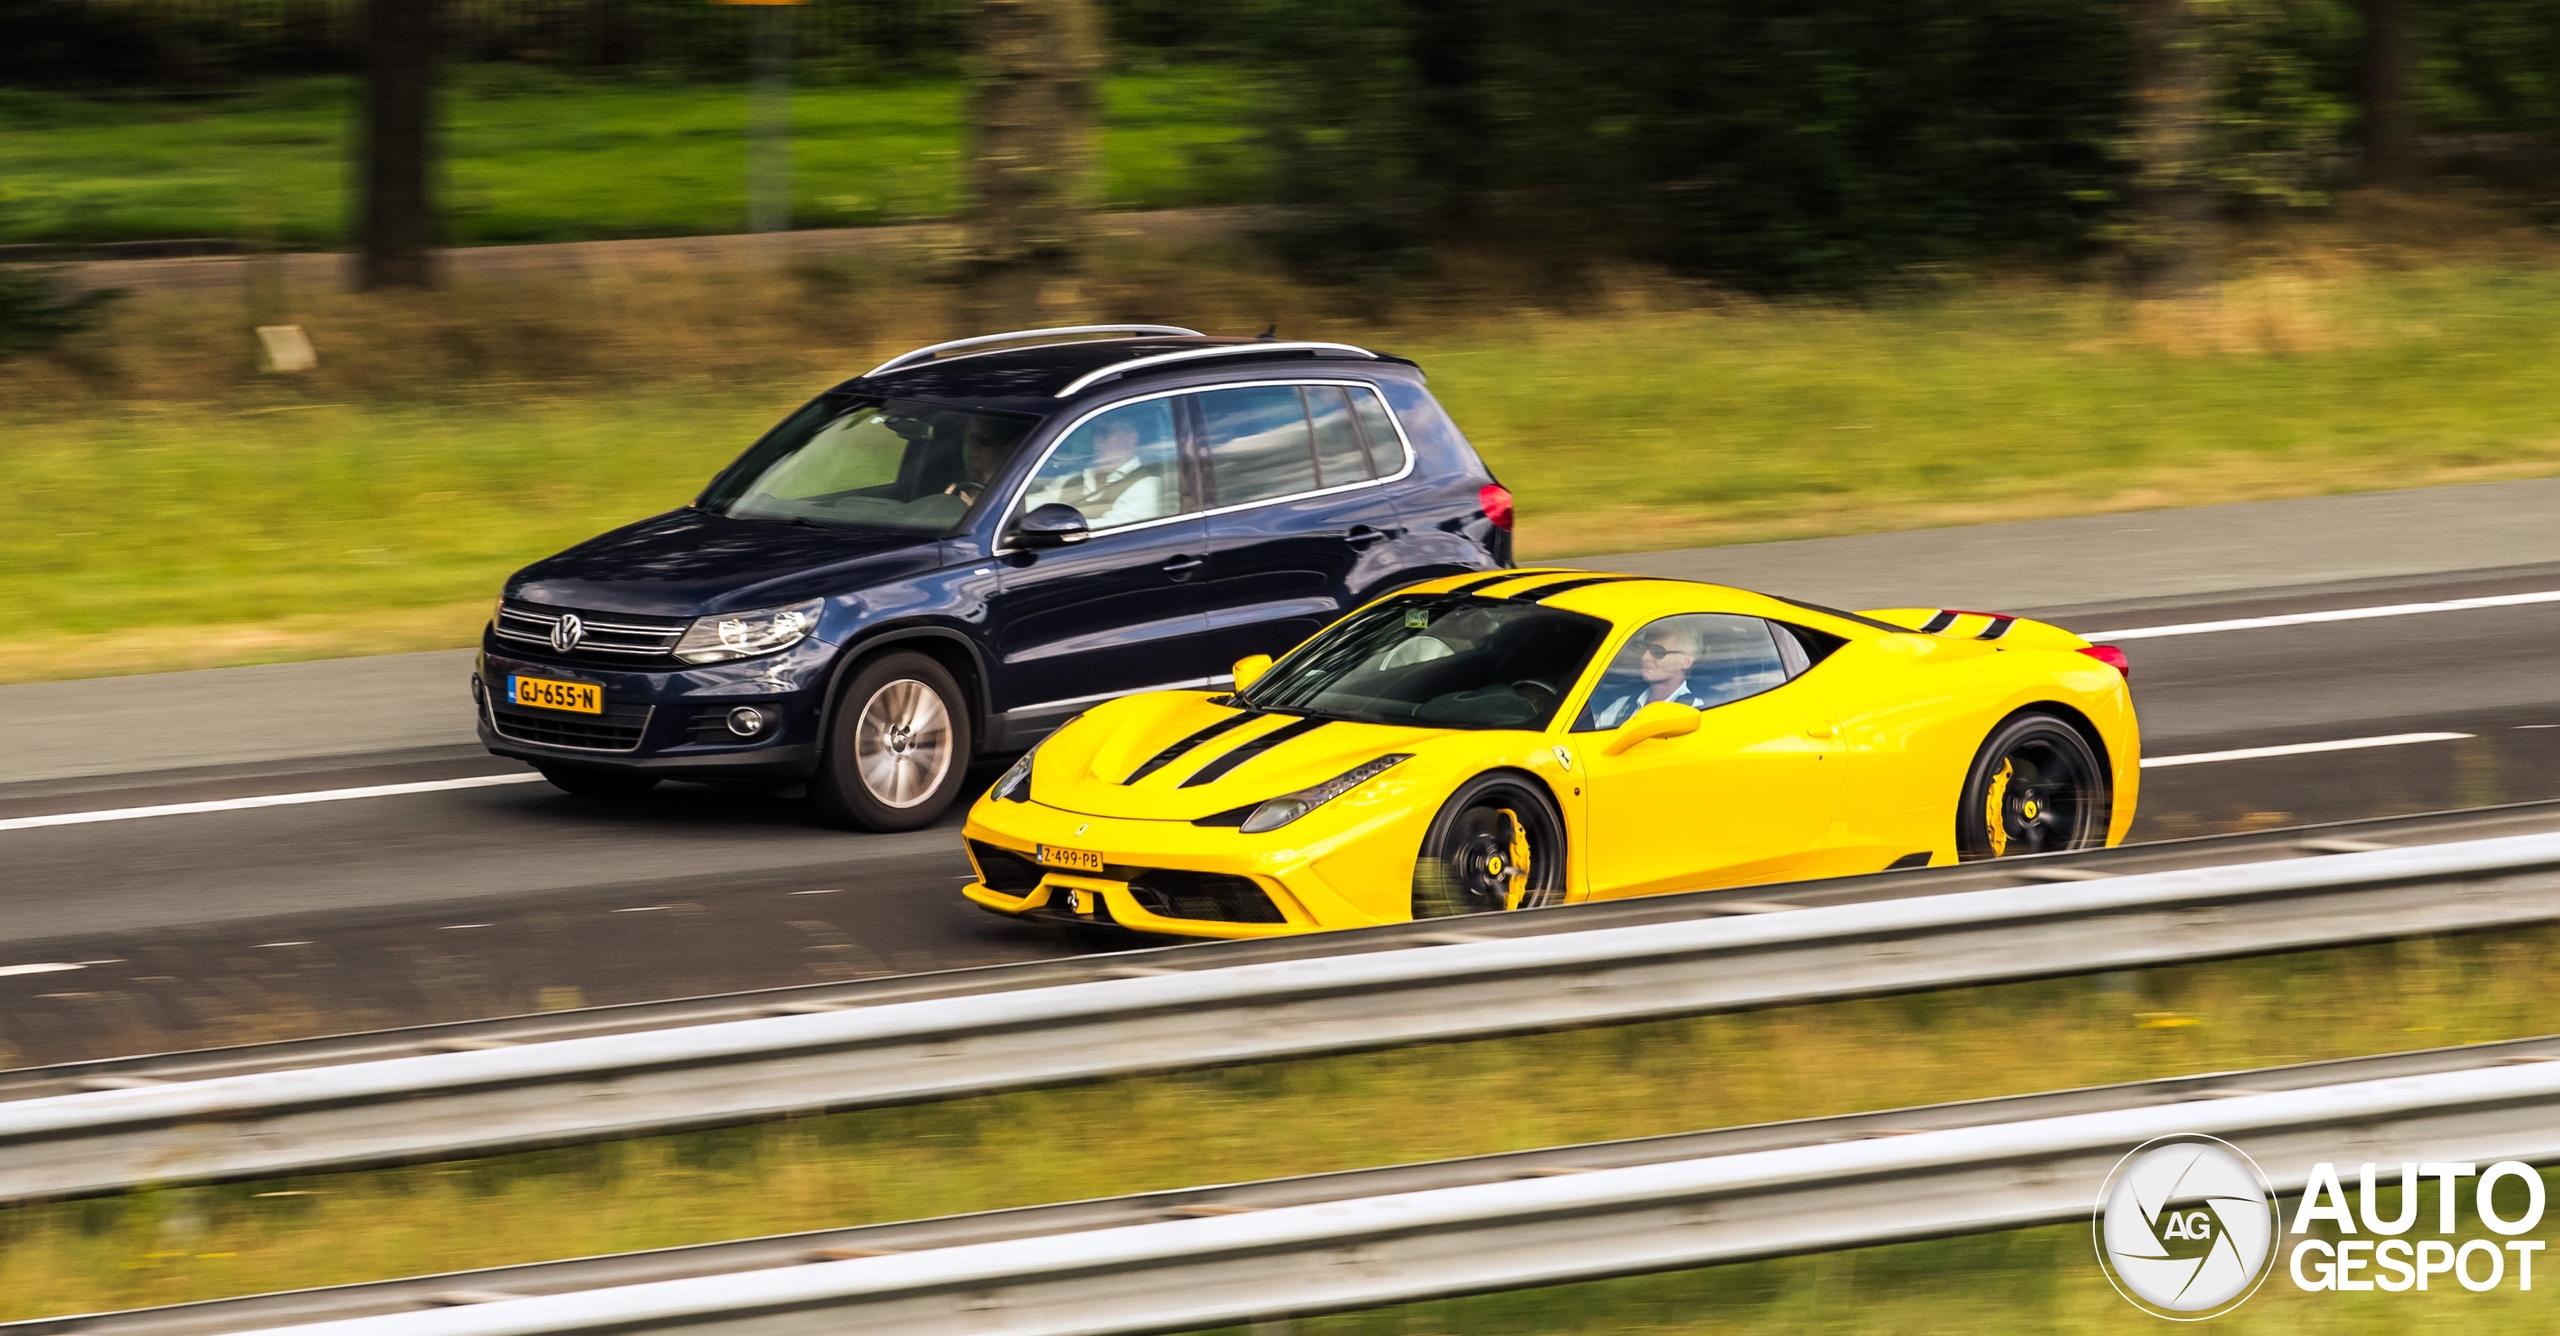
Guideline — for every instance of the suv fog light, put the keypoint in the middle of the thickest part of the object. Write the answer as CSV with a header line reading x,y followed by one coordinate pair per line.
x,y
746,721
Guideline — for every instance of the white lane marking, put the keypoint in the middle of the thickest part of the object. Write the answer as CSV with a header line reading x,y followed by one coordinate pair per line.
x,y
2299,749
263,800
49,967
2333,615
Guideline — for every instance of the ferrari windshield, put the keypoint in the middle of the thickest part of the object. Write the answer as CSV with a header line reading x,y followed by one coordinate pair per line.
x,y
1442,660
898,464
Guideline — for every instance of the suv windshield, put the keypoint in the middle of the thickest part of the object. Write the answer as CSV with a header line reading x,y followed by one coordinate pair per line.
x,y
899,464
1447,661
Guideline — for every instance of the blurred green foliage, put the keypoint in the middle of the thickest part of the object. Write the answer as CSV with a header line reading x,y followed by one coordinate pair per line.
x,y
1784,147
536,155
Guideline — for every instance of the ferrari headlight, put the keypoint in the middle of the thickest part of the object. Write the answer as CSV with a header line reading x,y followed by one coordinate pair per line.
x,y
1014,785
1277,812
744,635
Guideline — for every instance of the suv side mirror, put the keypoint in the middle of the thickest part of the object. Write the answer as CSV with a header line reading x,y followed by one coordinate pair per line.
x,y
1054,525
1250,668
1661,719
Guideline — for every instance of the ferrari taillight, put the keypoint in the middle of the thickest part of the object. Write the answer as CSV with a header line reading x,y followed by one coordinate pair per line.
x,y
1496,501
2111,657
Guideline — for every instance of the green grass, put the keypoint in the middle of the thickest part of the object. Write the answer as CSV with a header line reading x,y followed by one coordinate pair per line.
x,y
533,157
2043,1281
1351,1111
383,512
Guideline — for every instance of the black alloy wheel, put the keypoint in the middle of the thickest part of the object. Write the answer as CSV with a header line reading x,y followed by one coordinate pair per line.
x,y
898,746
587,782
2036,787
1498,843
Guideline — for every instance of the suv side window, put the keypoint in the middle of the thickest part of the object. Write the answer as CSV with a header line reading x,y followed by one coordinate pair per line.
x,y
1386,449
1269,441
1258,443
1119,467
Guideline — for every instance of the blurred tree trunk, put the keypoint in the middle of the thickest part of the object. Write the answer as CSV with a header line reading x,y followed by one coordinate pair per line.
x,y
396,222
1031,155
2390,147
2173,82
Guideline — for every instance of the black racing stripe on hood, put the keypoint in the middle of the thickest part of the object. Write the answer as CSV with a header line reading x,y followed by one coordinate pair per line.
x,y
1940,622
1544,592
1999,627
1174,753
1217,769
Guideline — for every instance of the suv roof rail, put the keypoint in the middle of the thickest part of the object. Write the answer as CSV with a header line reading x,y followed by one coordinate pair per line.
x,y
1193,354
928,353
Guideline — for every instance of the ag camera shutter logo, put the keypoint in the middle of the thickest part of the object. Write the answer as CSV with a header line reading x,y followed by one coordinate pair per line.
x,y
2186,1227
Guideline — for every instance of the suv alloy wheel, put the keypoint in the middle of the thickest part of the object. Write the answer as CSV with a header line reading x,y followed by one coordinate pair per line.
x,y
898,746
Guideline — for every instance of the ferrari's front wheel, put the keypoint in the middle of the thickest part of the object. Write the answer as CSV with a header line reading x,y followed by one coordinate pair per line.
x,y
2036,787
1498,843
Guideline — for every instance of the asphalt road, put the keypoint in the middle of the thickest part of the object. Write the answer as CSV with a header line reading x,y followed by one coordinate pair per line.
x,y
235,925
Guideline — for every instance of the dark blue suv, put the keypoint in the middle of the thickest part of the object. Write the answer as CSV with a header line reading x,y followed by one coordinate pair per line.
x,y
951,555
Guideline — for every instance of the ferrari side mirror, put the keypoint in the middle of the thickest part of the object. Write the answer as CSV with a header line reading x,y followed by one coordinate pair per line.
x,y
1249,668
1661,719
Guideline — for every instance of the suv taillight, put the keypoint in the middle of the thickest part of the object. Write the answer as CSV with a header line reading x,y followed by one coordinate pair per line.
x,y
1496,501
2111,657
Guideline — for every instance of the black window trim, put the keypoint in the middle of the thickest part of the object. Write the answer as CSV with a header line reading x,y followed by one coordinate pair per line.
x,y
1193,451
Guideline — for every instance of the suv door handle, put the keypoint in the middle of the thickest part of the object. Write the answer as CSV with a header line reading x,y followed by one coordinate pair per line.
x,y
1181,567
1361,536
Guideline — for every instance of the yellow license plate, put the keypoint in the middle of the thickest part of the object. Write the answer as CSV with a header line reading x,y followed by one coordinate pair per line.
x,y
552,694
1081,860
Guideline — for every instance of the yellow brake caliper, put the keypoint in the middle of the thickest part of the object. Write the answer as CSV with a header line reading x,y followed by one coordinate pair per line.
x,y
1991,808
1518,873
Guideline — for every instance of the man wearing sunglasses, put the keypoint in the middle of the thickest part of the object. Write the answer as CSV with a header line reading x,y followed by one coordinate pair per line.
x,y
1662,656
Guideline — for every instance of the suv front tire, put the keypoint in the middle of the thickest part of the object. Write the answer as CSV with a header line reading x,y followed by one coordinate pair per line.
x,y
898,746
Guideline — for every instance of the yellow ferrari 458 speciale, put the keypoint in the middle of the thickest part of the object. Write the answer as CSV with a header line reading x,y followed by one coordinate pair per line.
x,y
1487,742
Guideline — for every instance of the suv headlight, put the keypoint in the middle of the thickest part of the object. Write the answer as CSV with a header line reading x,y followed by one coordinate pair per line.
x,y
744,635
1277,812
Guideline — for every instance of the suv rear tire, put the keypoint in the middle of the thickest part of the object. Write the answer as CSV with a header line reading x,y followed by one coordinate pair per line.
x,y
898,746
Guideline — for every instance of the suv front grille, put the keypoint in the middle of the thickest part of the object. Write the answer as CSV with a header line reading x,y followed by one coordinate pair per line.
x,y
1213,896
617,729
608,637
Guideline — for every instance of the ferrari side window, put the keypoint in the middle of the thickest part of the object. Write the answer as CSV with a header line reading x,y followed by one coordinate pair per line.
x,y
1802,647
1701,660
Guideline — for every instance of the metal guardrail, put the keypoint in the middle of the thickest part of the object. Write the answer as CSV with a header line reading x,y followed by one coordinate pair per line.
x,y
625,1018
257,1312
463,1103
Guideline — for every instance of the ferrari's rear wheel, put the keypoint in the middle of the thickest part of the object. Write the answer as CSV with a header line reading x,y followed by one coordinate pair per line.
x,y
1497,844
2036,787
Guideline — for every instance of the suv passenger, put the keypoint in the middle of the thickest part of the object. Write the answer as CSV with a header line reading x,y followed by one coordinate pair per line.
x,y
952,554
